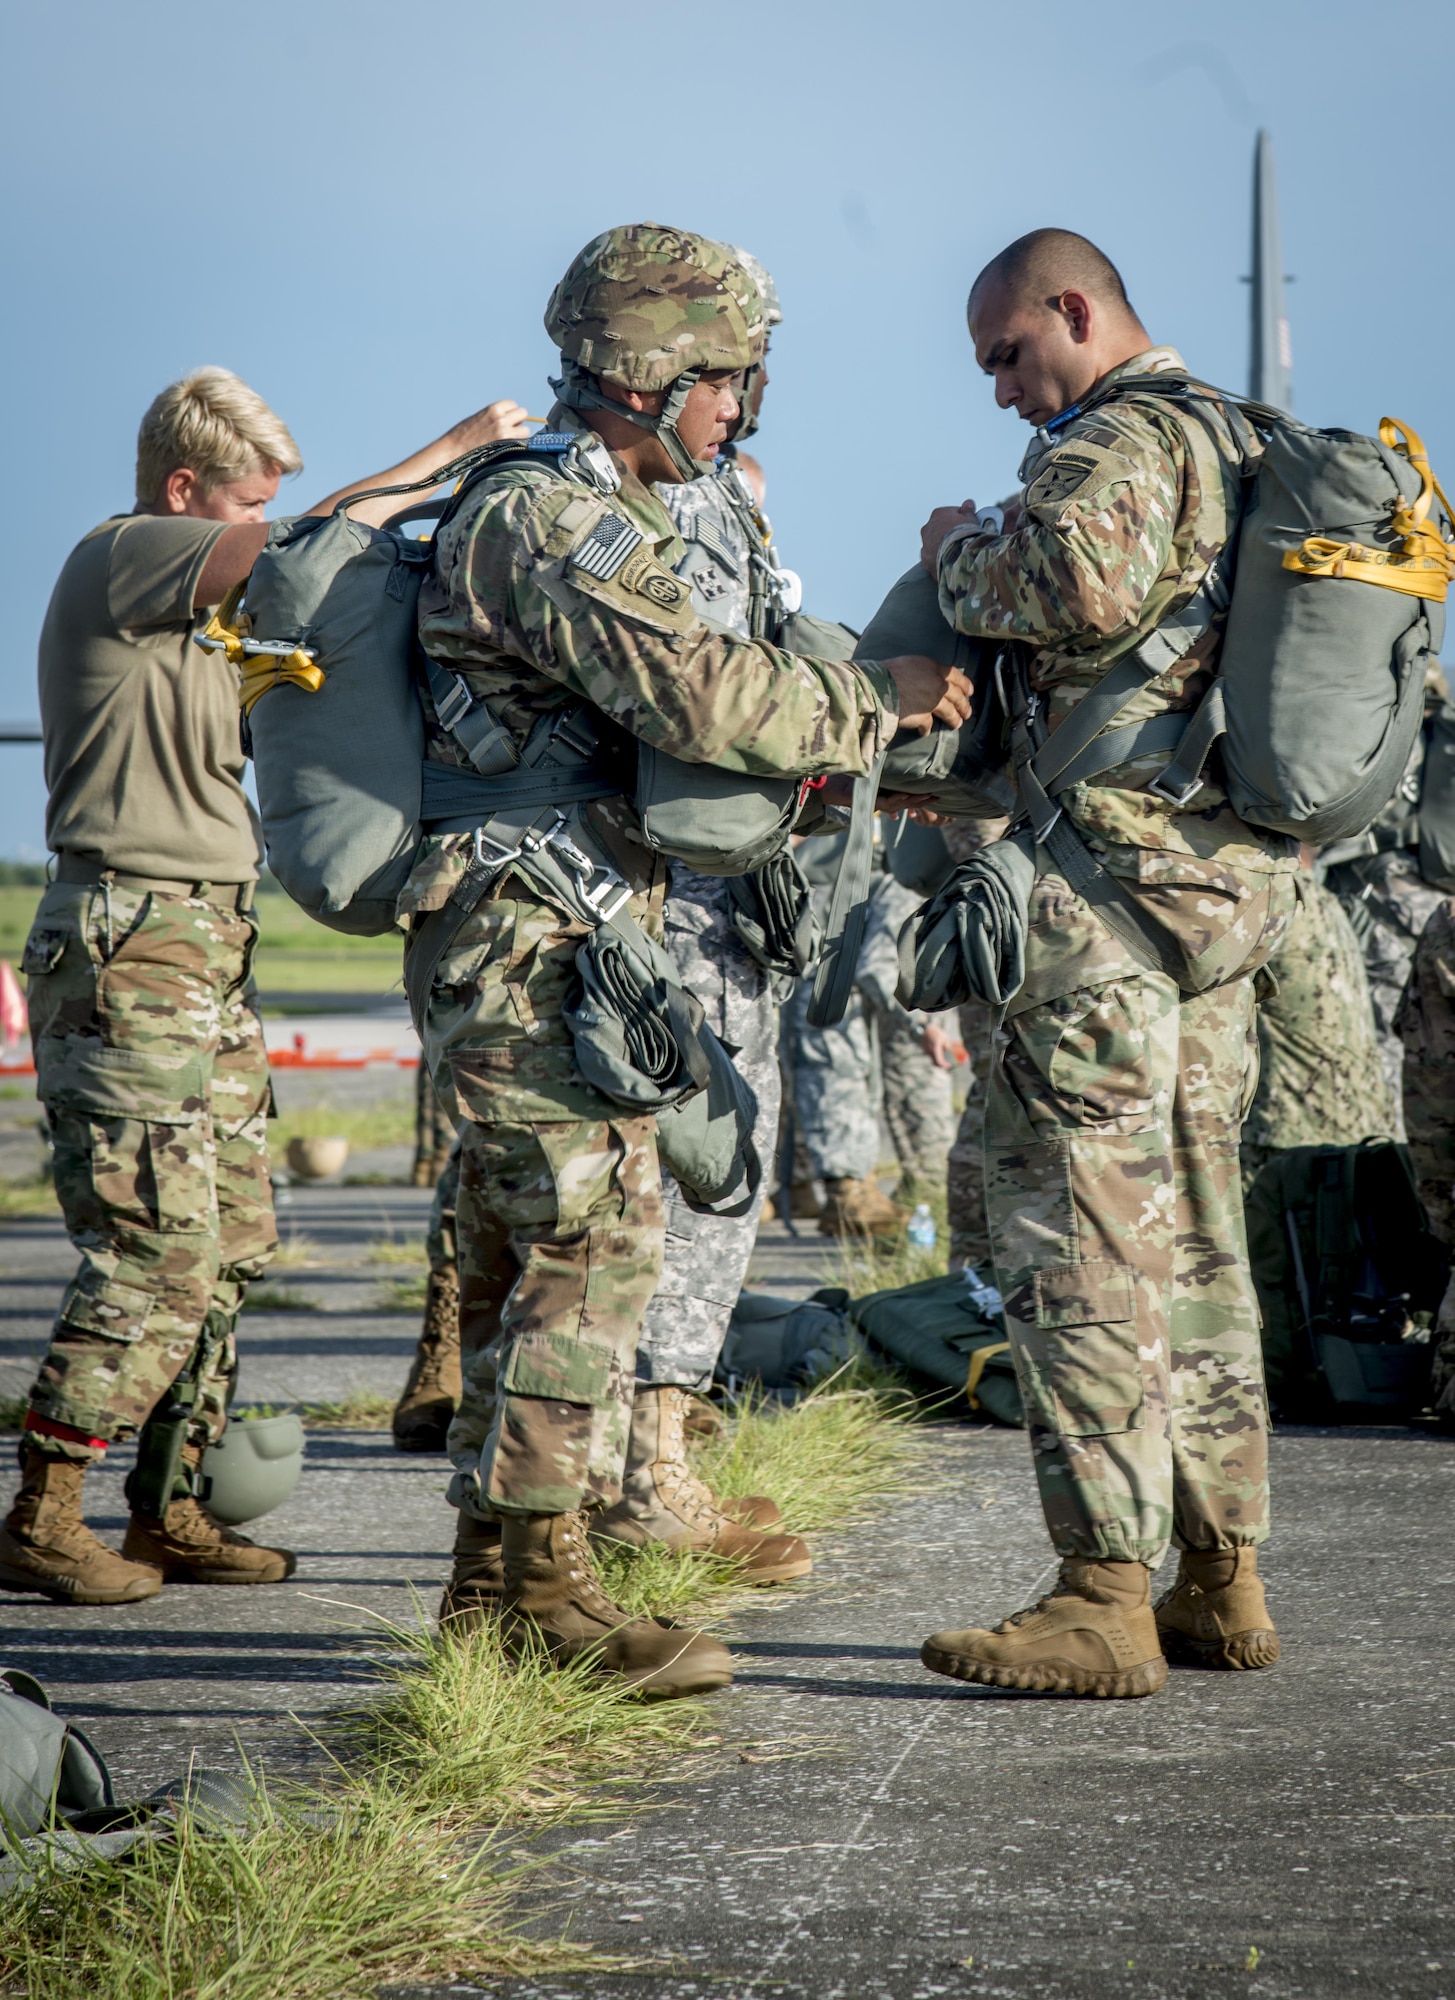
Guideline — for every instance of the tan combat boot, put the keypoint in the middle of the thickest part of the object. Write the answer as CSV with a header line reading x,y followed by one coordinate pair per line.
x,y
477,1582
1215,1615
46,1546
662,1500
189,1545
753,1510
553,1599
859,1208
1094,1635
432,1393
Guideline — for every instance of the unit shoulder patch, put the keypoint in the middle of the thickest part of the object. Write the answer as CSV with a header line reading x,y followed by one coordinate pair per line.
x,y
1078,470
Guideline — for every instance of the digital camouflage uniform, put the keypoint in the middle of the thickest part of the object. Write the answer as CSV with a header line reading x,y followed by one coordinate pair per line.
x,y
1320,1077
154,1077
872,1062
965,1169
1426,1025
1113,1109
560,1198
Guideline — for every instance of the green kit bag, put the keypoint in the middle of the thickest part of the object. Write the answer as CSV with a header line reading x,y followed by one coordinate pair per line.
x,y
1349,1277
949,1330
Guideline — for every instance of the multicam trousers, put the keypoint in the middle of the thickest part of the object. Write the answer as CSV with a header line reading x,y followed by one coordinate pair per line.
x,y
559,1222
154,1078
1115,1207
965,1173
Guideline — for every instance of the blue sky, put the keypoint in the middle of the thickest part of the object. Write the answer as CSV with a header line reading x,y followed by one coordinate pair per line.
x,y
362,208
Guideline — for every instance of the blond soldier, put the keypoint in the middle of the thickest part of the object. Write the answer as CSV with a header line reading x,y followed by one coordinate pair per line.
x,y
147,1040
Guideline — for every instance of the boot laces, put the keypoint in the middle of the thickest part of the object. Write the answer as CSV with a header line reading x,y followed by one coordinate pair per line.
x,y
581,1571
674,1478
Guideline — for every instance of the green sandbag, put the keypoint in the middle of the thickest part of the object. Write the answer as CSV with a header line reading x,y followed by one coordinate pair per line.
x,y
936,1329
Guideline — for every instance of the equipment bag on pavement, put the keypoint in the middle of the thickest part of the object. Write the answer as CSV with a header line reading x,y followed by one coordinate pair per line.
x,y
1349,1276
950,1331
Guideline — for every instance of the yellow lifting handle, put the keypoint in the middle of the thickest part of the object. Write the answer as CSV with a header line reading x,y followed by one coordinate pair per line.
x,y
260,665
977,1368
1424,562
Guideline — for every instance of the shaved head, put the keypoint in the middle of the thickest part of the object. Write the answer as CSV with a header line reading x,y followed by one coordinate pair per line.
x,y
1039,269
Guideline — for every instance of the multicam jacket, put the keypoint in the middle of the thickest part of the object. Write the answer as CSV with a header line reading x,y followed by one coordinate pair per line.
x,y
1124,510
517,604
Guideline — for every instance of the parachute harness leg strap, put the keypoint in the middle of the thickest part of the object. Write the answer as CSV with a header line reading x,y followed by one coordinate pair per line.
x,y
848,908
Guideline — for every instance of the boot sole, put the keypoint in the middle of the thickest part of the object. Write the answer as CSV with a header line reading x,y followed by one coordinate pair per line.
x,y
62,1591
1241,1652
1051,1676
199,1573
787,1572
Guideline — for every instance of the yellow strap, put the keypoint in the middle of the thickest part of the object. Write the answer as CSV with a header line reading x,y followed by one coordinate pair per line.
x,y
977,1368
225,628
1424,562
261,671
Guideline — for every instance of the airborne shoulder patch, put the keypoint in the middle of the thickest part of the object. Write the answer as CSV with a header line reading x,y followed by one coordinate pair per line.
x,y
1078,470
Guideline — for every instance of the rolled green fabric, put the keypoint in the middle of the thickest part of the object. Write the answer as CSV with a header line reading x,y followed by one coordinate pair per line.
x,y
968,942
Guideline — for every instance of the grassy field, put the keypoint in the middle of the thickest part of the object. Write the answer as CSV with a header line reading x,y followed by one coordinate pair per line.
x,y
295,954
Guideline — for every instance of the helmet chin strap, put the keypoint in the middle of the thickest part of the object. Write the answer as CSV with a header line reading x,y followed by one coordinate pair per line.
x,y
578,391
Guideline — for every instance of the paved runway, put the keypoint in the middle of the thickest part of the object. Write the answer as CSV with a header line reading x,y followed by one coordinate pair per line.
x,y
867,1829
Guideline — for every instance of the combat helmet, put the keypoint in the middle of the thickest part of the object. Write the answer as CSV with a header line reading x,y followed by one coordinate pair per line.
x,y
750,395
649,307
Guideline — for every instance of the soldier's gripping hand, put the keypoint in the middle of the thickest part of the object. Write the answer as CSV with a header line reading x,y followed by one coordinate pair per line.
x,y
928,693
505,419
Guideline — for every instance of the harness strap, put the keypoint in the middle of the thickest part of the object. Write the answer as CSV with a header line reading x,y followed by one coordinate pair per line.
x,y
848,908
1120,746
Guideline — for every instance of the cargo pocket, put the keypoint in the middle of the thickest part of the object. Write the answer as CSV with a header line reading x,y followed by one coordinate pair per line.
x,y
1086,1318
561,1368
94,1304
155,1176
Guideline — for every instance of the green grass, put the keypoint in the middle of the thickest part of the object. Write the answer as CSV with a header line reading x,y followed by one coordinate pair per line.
x,y
371,1126
403,1295
20,1201
280,1299
402,1864
12,1412
356,1410
399,1250
296,1252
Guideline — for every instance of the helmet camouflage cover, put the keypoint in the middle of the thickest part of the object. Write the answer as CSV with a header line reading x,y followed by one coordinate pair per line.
x,y
643,304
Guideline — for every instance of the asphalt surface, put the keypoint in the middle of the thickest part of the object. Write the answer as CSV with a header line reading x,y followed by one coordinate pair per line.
x,y
866,1829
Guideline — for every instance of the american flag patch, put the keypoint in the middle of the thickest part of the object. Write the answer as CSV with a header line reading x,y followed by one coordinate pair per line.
x,y
607,547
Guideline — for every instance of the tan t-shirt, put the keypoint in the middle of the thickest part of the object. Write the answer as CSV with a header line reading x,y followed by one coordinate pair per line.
x,y
142,750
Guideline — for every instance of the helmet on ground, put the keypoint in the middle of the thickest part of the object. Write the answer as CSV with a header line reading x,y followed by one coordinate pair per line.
x,y
750,396
647,307
252,1468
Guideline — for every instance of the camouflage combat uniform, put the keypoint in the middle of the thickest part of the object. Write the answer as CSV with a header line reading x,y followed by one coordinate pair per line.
x,y
143,1014
155,1082
1388,903
1115,1100
1320,1078
1426,1025
871,1062
560,1214
965,1169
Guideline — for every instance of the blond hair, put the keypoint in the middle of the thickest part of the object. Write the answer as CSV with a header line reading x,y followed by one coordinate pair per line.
x,y
212,423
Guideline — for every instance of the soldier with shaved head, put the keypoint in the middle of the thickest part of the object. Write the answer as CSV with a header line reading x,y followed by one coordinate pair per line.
x,y
1126,1058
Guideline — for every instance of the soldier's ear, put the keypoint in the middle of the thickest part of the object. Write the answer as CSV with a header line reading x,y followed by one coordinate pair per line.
x,y
1078,312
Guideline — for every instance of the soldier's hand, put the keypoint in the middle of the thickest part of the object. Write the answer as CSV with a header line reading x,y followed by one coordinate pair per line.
x,y
505,419
943,1049
935,529
928,693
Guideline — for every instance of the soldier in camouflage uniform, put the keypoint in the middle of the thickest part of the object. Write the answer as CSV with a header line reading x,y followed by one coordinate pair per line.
x,y
1320,1078
143,1014
1377,877
560,1215
1426,1026
736,580
1115,1101
881,1056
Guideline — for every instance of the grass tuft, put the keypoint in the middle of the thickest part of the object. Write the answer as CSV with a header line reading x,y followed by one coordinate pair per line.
x,y
366,1128
403,1295
357,1410
399,1250
304,1905
280,1299
296,1252
12,1412
20,1201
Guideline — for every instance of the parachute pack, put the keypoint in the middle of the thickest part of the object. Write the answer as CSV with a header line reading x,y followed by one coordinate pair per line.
x,y
1333,585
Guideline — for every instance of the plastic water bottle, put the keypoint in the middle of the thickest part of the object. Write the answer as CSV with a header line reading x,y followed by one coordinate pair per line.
x,y
922,1228
986,1297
